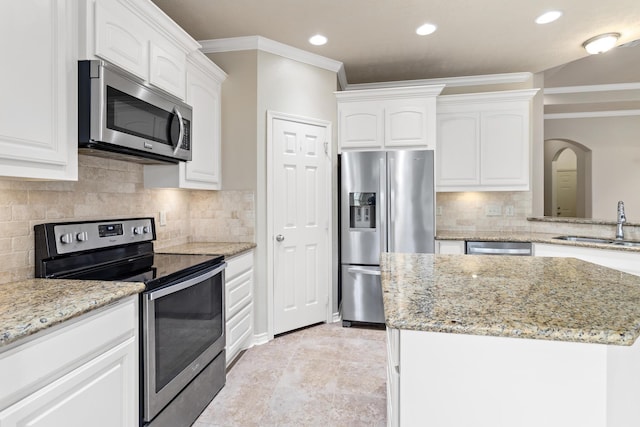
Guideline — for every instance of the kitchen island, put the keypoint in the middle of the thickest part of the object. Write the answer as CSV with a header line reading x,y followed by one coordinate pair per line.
x,y
510,341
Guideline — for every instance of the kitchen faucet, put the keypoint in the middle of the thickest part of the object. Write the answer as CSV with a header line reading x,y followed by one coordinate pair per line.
x,y
621,220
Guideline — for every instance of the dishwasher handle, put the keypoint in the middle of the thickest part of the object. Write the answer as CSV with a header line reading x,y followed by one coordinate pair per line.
x,y
499,251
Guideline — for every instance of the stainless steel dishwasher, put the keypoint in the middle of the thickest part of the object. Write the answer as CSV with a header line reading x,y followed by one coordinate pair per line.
x,y
498,248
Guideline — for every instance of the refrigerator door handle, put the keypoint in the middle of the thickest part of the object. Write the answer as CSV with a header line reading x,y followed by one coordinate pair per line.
x,y
382,206
363,270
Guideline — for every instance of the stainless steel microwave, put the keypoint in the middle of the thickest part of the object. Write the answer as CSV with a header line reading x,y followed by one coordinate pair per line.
x,y
120,117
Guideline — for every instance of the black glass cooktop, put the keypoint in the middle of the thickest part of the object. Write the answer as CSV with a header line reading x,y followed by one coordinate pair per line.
x,y
155,270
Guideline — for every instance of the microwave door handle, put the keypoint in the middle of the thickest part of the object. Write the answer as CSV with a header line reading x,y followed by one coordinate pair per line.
x,y
179,142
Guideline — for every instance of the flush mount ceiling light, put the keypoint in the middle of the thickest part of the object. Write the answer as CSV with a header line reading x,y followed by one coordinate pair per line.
x,y
548,17
601,43
318,40
425,29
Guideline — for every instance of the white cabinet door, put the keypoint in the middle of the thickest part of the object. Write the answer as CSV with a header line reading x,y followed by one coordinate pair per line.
x,y
167,67
38,83
100,393
121,38
361,125
504,154
458,150
407,124
203,172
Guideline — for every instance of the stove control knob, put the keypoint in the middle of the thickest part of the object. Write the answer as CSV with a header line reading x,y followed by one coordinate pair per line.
x,y
82,237
146,229
66,238
138,230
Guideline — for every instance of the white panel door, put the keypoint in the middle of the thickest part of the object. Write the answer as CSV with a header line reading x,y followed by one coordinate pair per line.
x,y
301,215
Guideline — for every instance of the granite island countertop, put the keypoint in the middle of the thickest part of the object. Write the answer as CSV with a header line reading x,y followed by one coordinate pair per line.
x,y
228,249
33,305
562,299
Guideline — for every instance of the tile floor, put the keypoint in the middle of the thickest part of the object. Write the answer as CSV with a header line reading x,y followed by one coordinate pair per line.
x,y
325,375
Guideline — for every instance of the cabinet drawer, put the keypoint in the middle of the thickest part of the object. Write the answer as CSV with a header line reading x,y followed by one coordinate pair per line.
x,y
239,330
238,293
38,362
238,264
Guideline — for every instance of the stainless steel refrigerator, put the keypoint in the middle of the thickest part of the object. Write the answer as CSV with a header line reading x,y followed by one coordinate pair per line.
x,y
387,204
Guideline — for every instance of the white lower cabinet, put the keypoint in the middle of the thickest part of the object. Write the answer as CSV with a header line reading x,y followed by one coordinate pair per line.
x,y
39,85
450,247
239,304
393,377
84,373
626,261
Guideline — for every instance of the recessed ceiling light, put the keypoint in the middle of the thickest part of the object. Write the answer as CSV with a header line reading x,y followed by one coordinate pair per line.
x,y
318,40
548,17
601,43
425,29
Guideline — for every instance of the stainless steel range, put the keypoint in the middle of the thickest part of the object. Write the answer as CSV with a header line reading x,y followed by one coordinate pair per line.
x,y
182,363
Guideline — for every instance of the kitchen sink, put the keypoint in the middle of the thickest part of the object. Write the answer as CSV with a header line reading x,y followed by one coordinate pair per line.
x,y
598,240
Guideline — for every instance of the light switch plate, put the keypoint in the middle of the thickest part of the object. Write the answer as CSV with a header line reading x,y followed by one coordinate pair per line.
x,y
493,210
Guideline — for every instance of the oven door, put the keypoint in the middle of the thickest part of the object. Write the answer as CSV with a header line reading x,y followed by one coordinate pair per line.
x,y
183,330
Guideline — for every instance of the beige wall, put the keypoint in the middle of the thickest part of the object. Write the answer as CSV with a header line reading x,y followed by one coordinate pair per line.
x,y
615,146
239,127
109,189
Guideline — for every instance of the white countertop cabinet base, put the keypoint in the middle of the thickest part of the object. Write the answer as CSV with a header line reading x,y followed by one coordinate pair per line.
x,y
239,304
39,86
452,380
83,373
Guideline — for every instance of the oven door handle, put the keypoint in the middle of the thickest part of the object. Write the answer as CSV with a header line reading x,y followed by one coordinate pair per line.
x,y
186,284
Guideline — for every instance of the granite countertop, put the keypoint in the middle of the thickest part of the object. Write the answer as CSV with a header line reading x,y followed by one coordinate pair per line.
x,y
228,249
515,236
30,306
561,299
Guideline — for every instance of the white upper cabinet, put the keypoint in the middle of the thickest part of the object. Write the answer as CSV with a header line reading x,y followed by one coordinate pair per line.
x,y
378,119
139,38
38,105
203,172
484,141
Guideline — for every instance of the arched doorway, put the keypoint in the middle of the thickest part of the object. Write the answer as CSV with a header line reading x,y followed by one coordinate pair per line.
x,y
567,179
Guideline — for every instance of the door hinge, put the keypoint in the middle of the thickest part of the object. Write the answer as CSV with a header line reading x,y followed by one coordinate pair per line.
x,y
326,147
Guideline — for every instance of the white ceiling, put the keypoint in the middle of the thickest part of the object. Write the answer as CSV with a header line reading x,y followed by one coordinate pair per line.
x,y
376,40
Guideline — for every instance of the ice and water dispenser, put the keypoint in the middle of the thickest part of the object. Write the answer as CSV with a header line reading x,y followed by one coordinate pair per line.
x,y
362,210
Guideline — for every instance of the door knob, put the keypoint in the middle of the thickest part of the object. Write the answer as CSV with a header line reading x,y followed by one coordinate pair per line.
x,y
279,237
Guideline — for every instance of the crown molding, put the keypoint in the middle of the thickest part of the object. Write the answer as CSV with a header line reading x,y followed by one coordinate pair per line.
x,y
487,79
267,45
592,114
592,88
389,93
484,97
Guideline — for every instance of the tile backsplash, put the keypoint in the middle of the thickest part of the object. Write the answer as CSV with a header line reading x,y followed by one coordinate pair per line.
x,y
114,189
483,211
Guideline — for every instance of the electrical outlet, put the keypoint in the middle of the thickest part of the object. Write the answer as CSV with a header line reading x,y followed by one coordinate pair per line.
x,y
508,210
493,210
439,210
163,218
